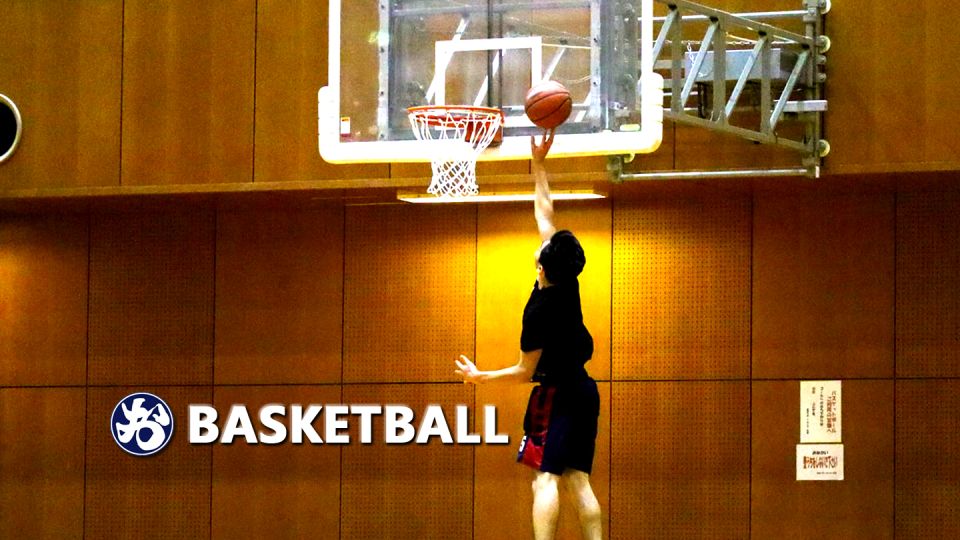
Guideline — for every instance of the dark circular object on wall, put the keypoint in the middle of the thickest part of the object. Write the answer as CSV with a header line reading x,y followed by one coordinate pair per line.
x,y
11,126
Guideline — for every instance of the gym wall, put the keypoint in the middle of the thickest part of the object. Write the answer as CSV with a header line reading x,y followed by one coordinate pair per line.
x,y
708,304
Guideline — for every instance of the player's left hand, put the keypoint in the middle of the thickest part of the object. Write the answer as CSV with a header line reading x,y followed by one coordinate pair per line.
x,y
468,370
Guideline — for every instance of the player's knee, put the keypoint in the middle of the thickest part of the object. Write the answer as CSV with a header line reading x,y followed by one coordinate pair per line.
x,y
578,485
545,481
576,481
589,509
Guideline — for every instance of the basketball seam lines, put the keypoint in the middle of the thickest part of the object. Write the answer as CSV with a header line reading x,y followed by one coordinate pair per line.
x,y
553,111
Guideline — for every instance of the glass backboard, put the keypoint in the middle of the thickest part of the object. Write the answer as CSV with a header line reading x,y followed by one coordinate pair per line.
x,y
388,55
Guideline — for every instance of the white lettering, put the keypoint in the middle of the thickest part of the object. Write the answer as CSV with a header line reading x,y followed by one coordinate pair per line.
x,y
333,424
490,427
278,431
366,413
238,423
463,426
434,424
275,422
203,424
398,418
302,424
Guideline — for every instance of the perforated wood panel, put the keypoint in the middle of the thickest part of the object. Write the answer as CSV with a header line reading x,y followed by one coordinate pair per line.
x,y
408,292
664,158
151,297
507,241
43,300
407,491
906,138
928,289
503,496
681,287
497,472
698,148
928,471
275,491
291,66
680,462
61,66
823,282
861,506
41,462
164,496
279,296
188,92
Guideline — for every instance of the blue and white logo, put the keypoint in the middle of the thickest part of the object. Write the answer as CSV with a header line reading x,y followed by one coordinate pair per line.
x,y
142,424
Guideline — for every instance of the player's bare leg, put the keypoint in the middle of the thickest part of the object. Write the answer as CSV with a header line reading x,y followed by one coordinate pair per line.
x,y
577,484
546,505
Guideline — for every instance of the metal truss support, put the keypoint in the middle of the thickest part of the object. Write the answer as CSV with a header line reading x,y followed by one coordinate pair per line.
x,y
781,66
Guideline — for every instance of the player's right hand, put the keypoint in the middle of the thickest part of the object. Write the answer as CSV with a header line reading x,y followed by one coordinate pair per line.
x,y
467,369
540,151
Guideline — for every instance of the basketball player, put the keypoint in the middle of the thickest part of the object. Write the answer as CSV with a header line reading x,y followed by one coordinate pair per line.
x,y
561,418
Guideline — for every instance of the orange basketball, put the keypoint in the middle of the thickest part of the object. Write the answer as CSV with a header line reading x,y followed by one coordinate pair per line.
x,y
548,104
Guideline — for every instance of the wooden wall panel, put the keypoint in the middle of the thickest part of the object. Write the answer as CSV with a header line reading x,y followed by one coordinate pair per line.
x,y
700,149
501,489
889,116
43,300
861,505
275,491
507,241
164,496
499,516
151,297
188,78
927,288
41,462
407,491
680,460
823,282
664,158
61,66
409,303
291,68
927,468
279,308
681,298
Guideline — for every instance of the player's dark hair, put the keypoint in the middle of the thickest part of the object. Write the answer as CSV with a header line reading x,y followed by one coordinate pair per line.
x,y
562,258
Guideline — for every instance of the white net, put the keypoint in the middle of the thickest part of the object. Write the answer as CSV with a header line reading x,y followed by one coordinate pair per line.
x,y
458,135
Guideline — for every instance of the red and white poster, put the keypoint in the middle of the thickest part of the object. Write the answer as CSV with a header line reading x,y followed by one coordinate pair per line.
x,y
819,462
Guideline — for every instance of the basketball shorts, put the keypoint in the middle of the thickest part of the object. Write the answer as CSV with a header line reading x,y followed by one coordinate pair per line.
x,y
560,427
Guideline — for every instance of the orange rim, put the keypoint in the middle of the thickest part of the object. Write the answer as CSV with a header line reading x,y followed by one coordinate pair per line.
x,y
444,115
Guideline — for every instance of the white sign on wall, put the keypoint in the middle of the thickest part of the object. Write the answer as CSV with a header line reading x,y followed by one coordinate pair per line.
x,y
820,419
819,462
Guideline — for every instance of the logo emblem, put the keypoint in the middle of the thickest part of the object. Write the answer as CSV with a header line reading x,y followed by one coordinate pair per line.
x,y
142,424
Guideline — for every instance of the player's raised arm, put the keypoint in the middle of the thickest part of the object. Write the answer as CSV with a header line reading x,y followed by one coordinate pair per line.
x,y
542,203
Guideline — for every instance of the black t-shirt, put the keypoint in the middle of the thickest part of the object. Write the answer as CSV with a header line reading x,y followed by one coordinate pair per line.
x,y
553,321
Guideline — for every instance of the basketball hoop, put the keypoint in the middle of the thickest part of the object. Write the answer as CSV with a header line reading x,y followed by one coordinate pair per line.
x,y
459,134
